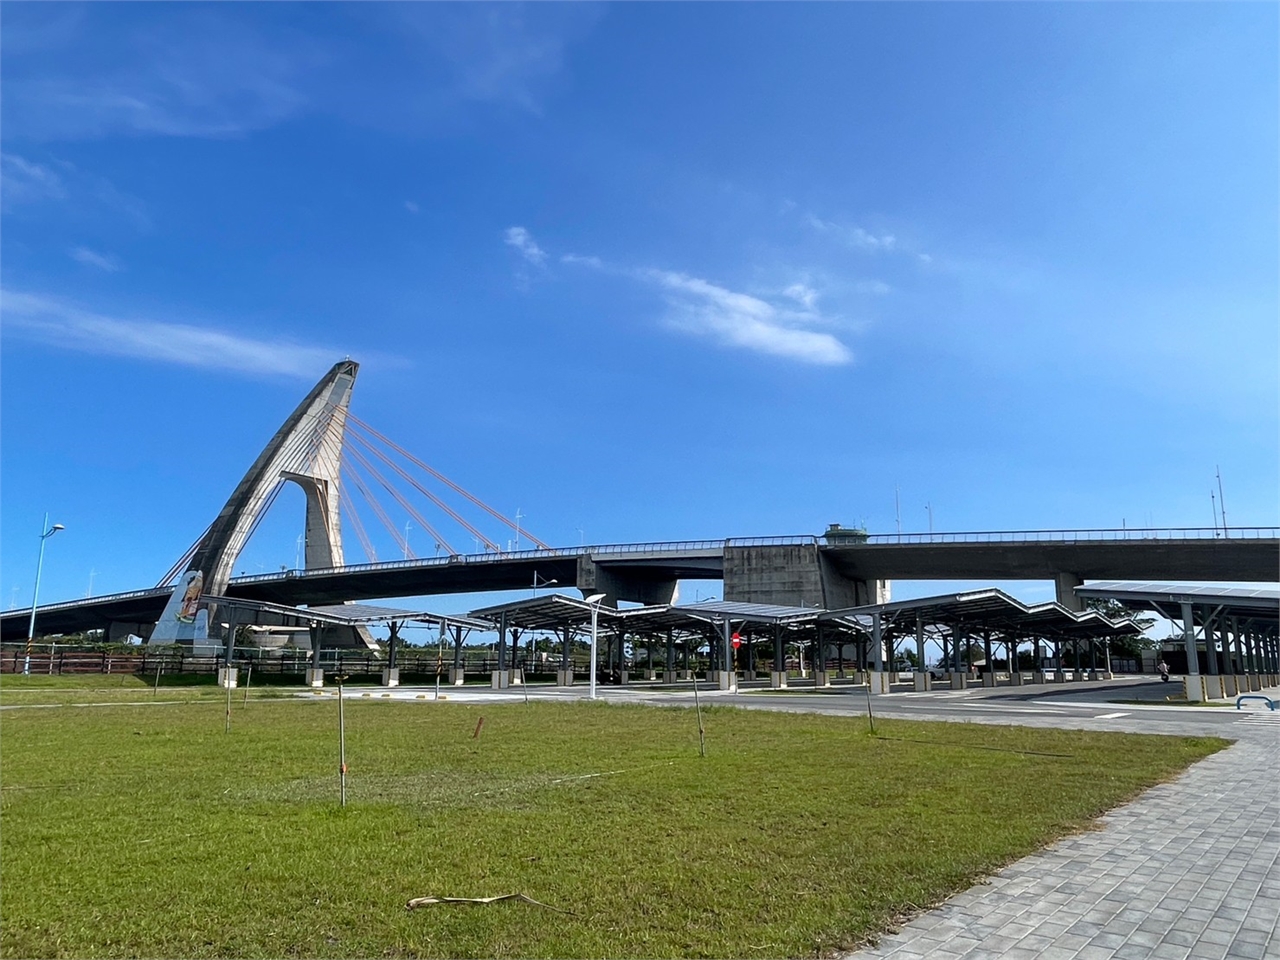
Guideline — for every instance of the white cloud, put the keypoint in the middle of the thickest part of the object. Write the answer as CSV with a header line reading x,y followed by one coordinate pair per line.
x,y
56,322
877,287
522,240
92,259
411,206
741,320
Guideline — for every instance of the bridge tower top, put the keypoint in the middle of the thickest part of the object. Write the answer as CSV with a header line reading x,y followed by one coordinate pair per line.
x,y
306,450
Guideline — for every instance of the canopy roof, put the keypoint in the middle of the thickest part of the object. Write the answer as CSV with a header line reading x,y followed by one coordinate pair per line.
x,y
337,614
990,609
1256,604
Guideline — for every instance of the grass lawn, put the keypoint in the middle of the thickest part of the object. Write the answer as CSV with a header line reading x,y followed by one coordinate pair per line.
x,y
147,831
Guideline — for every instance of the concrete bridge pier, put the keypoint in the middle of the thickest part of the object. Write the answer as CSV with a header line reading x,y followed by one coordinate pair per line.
x,y
617,583
794,575
1065,584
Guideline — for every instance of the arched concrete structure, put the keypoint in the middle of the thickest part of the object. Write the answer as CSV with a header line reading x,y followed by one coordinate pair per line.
x,y
306,450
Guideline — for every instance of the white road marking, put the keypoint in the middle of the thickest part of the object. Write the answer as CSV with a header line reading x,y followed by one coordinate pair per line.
x,y
1110,716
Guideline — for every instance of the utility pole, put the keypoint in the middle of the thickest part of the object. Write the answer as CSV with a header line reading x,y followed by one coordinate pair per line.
x,y
89,592
518,515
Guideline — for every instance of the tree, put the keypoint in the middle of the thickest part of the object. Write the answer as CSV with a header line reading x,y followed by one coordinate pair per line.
x,y
1130,647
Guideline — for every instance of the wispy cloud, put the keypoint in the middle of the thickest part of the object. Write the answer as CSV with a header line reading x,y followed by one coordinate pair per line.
x,y
29,182
23,181
497,53
778,324
59,323
193,76
854,236
741,320
523,241
411,206
802,294
91,258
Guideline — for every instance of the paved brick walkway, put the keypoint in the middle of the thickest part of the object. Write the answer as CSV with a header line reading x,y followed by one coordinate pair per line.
x,y
1189,870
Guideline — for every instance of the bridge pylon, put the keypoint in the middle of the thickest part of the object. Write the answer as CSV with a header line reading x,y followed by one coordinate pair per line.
x,y
306,450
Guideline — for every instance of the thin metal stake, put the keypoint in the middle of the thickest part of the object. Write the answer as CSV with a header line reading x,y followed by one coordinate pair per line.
x,y
247,676
867,690
697,706
159,669
228,724
342,748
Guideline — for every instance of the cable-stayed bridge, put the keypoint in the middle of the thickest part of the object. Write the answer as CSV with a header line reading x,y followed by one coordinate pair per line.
x,y
346,466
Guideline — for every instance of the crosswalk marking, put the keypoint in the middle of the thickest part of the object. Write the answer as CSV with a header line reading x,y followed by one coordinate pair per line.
x,y
1110,716
1271,716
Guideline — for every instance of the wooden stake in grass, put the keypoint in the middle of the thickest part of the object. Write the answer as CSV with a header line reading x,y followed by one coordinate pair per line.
x,y
247,677
227,728
479,724
342,747
697,706
159,668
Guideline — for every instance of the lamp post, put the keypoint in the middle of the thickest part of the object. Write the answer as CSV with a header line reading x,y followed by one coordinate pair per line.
x,y
594,600
46,532
541,583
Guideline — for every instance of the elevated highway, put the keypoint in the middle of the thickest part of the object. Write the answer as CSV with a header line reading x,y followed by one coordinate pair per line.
x,y
801,571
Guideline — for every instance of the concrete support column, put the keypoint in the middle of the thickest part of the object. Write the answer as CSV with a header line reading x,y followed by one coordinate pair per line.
x,y
457,672
989,668
921,666
1015,672
315,675
877,679
1065,585
1191,683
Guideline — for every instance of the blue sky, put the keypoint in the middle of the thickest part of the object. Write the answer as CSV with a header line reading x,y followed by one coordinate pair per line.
x,y
643,272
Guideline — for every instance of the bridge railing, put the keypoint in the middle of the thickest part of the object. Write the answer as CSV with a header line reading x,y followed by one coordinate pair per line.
x,y
88,601
1077,536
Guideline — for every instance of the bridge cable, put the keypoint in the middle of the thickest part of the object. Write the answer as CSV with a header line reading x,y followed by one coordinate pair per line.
x,y
377,508
350,507
399,497
442,478
427,493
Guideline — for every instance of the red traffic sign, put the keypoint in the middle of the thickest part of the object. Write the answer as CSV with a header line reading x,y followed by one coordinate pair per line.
x,y
736,641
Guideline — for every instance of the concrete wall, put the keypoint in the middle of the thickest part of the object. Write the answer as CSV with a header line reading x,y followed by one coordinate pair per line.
x,y
795,576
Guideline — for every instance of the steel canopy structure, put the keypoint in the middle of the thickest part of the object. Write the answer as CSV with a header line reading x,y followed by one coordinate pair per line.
x,y
1230,635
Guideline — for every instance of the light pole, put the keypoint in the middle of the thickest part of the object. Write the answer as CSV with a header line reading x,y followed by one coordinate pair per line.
x,y
543,583
594,600
46,532
407,525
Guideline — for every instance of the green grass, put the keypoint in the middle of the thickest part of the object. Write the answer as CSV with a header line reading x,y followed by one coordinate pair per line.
x,y
145,831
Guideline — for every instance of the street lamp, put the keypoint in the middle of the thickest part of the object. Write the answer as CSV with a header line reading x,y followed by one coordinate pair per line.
x,y
543,583
46,532
594,601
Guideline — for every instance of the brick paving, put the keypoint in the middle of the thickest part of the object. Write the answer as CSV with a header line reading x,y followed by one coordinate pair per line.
x,y
1188,871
